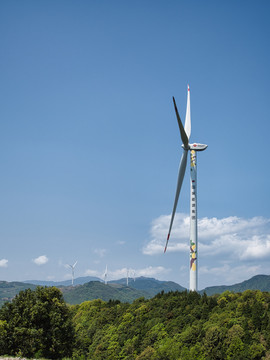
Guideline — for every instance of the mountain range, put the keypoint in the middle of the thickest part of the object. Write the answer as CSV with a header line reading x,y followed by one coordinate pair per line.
x,y
89,288
77,281
118,290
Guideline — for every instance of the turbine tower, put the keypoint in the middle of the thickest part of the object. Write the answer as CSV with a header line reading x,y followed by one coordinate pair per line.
x,y
185,135
72,269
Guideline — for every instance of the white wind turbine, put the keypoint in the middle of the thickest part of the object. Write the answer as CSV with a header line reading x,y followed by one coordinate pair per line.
x,y
185,135
127,275
72,271
106,275
133,275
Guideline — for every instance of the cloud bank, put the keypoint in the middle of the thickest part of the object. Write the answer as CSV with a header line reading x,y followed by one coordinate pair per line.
x,y
234,237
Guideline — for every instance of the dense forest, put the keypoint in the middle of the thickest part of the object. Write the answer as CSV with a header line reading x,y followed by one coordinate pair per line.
x,y
174,325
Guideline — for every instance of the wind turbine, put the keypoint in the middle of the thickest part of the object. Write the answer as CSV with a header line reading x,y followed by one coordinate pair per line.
x,y
127,275
106,275
72,269
185,135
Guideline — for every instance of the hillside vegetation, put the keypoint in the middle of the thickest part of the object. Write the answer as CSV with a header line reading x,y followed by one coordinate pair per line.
x,y
170,326
97,290
8,290
175,326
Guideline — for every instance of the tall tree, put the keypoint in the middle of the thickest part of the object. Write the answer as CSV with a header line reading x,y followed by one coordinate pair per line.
x,y
37,323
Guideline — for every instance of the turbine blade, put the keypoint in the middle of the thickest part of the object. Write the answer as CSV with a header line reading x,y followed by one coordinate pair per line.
x,y
181,127
188,120
181,174
75,264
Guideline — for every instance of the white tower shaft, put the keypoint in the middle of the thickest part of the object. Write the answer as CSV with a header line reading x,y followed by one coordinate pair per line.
x,y
193,254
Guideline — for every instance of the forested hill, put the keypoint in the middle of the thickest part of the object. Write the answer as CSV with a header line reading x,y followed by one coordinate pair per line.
x,y
98,290
114,290
117,290
8,290
258,282
150,285
175,325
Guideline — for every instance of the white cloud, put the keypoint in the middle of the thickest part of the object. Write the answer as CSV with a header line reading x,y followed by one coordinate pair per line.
x,y
159,231
149,271
152,271
120,242
230,225
233,237
90,272
41,260
3,263
100,252
257,248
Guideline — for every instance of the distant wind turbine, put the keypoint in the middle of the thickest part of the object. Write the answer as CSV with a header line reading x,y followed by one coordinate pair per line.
x,y
127,276
133,274
185,135
106,275
72,272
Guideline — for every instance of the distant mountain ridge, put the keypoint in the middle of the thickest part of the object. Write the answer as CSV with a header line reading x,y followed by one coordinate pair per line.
x,y
98,290
118,289
77,281
150,285
257,282
85,288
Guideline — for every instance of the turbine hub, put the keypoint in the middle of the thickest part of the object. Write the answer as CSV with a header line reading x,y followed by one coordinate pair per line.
x,y
186,148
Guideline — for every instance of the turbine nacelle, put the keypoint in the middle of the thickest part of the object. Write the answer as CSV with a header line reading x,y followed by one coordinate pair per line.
x,y
195,146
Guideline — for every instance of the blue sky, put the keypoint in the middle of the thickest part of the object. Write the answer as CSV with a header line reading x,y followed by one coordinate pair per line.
x,y
90,146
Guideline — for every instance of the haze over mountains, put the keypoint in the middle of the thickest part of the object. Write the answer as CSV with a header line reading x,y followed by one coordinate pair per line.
x,y
89,288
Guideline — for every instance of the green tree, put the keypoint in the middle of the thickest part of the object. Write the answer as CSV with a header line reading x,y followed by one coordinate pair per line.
x,y
38,324
3,336
213,343
148,354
